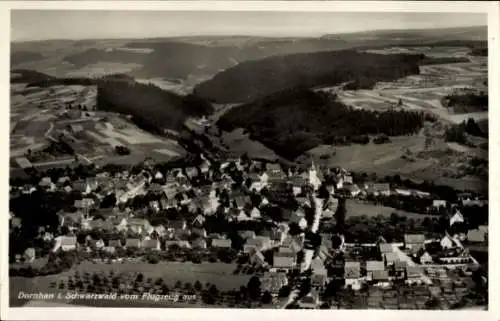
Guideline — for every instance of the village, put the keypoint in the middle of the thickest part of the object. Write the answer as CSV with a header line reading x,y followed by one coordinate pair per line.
x,y
284,227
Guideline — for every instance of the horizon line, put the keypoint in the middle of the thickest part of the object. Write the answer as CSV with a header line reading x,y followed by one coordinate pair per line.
x,y
249,35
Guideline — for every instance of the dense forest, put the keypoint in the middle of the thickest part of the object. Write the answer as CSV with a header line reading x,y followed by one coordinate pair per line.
x,y
479,52
22,76
22,56
477,100
151,108
257,78
457,133
278,121
168,59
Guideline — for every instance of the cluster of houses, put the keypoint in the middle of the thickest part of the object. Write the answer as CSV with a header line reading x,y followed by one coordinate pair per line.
x,y
403,261
174,189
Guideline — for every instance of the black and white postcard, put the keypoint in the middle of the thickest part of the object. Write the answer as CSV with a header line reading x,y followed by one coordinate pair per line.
x,y
243,157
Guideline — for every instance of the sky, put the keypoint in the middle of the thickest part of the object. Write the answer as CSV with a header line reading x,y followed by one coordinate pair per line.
x,y
29,25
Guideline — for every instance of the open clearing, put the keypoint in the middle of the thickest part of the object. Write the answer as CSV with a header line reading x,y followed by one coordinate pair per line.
x,y
359,208
369,157
240,143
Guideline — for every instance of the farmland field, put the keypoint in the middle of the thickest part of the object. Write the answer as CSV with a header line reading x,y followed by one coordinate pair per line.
x,y
239,143
386,159
219,274
424,91
358,208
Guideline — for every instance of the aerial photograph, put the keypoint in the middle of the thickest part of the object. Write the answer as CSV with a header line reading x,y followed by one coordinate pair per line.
x,y
248,160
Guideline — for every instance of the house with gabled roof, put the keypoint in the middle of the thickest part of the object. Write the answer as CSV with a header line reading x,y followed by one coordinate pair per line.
x,y
377,189
84,203
29,254
79,185
241,201
390,258
261,242
96,244
385,248
151,244
426,258
319,273
221,243
257,258
275,170
284,260
352,189
199,243
115,243
201,232
65,243
198,221
255,213
273,282
476,236
439,203
133,243
180,243
138,225
399,268
413,274
380,277
372,266
414,242
242,216
247,234
457,218
449,242
310,301
352,274
177,225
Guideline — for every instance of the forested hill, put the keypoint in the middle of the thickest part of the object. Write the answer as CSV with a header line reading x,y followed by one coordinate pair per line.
x,y
258,78
293,121
151,108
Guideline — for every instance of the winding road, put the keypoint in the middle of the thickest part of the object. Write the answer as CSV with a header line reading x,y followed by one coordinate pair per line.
x,y
308,253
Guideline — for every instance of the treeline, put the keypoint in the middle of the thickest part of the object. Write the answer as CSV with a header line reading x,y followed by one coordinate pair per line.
x,y
168,59
21,56
473,99
457,133
28,76
293,121
425,60
258,78
151,108
483,52
82,81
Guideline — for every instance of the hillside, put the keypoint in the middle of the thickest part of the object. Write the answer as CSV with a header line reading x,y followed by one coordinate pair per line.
x,y
253,79
18,76
182,57
21,56
165,59
293,121
151,108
